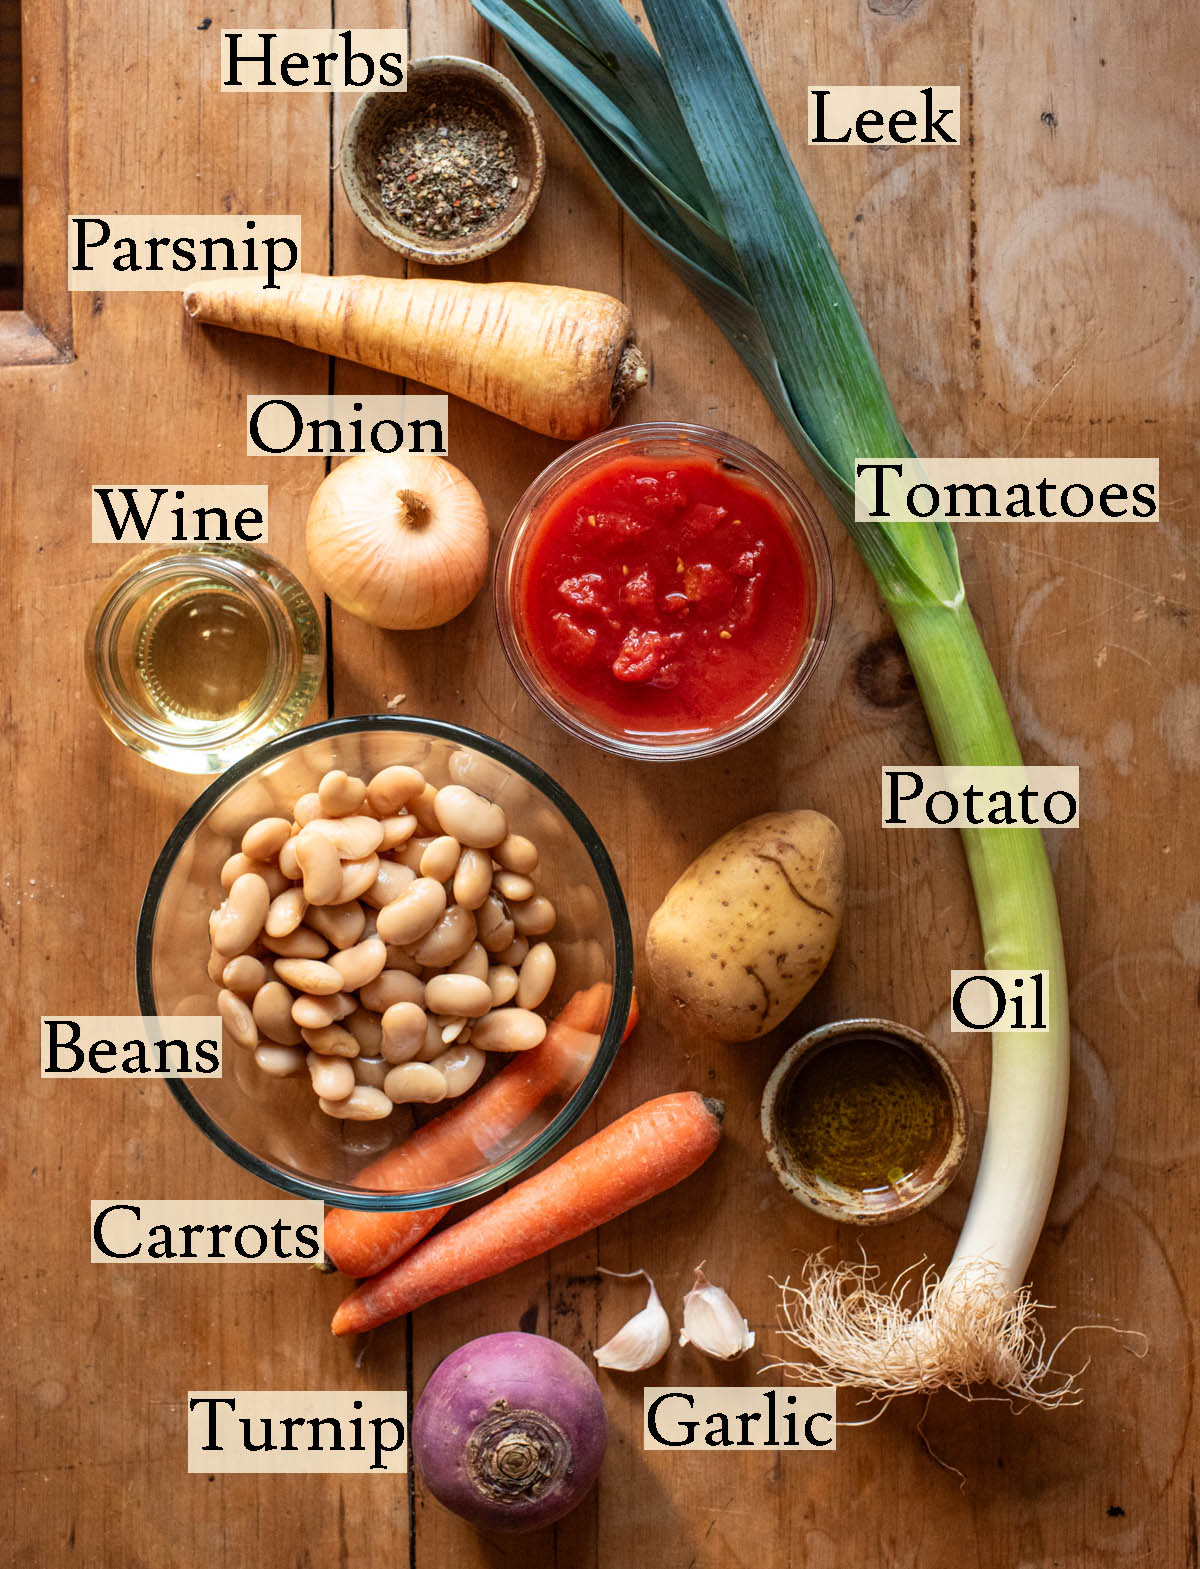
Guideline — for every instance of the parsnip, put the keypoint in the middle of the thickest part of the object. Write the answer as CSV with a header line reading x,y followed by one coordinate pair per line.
x,y
557,360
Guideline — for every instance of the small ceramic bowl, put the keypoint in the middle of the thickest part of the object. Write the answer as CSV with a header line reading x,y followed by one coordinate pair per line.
x,y
450,82
848,1098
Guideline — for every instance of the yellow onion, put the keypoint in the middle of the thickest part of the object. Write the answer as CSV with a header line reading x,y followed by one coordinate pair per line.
x,y
400,541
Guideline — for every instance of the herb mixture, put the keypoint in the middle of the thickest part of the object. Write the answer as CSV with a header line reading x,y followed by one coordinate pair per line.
x,y
447,170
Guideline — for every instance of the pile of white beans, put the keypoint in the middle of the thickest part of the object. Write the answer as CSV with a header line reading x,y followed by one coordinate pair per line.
x,y
382,939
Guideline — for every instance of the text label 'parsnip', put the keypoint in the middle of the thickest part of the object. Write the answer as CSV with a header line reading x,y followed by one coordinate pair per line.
x,y
153,252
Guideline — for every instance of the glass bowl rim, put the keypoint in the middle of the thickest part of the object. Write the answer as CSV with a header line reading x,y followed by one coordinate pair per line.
x,y
583,1094
803,520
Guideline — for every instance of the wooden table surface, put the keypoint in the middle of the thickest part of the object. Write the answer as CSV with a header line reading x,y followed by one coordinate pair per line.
x,y
1034,291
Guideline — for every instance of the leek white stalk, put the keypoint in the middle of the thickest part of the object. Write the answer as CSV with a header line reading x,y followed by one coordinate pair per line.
x,y
686,143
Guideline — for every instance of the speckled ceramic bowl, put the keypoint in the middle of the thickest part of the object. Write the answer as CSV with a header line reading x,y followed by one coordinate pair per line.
x,y
888,1201
450,80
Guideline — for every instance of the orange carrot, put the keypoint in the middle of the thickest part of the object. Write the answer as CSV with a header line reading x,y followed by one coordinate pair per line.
x,y
362,1242
643,1153
557,360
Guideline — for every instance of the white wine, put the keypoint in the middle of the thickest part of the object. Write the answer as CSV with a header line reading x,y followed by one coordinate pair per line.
x,y
203,654
199,654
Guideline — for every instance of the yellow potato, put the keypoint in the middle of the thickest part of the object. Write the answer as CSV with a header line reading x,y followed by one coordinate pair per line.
x,y
747,929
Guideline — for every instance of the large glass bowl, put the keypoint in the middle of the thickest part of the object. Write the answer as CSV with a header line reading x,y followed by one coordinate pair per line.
x,y
273,1127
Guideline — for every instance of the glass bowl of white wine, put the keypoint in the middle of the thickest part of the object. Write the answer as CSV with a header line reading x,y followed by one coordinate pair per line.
x,y
198,654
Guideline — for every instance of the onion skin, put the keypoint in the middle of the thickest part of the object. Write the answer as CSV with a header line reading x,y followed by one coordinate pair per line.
x,y
509,1432
400,541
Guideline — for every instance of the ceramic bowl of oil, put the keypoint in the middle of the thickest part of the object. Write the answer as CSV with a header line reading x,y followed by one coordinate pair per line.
x,y
865,1121
198,654
449,171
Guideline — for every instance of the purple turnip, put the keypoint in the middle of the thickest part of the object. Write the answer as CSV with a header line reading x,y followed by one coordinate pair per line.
x,y
510,1431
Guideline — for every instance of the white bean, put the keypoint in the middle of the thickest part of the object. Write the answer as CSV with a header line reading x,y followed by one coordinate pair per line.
x,y
215,968
363,1104
423,809
244,975
314,1013
509,1029
240,919
535,917
391,986
303,943
306,808
319,865
371,1070
279,1062
458,995
515,888
366,1030
339,794
286,912
517,854
415,912
264,839
289,862
272,1009
448,940
473,821
309,975
391,882
433,1044
358,966
357,877
440,858
410,854
495,922
460,1067
515,953
473,962
237,1019
393,788
397,830
415,1081
331,1041
502,983
404,1029
238,865
537,976
352,837
472,879
332,1077
342,924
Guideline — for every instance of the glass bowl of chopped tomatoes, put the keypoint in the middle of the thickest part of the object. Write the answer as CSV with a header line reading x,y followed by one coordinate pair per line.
x,y
663,591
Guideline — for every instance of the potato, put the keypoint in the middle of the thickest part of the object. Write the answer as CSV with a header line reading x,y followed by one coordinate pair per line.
x,y
747,929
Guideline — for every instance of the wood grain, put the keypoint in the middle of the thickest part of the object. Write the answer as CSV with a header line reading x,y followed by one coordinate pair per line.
x,y
1032,291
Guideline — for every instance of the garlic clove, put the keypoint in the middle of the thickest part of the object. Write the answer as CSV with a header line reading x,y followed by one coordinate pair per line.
x,y
712,1323
641,1342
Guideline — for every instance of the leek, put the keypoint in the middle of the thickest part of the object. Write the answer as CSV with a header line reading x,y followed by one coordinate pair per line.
x,y
685,141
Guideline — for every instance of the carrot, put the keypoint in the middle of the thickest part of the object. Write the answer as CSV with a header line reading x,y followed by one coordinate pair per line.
x,y
643,1153
361,1242
557,360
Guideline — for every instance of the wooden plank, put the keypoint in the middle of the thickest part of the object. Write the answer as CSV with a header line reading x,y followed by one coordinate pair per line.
x,y
1031,291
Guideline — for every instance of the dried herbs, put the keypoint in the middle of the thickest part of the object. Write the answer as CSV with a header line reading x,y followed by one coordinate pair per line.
x,y
448,170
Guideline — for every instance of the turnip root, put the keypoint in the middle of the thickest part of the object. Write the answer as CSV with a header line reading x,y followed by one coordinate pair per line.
x,y
510,1431
556,360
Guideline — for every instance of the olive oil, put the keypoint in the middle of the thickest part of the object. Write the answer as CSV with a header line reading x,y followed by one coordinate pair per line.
x,y
203,655
869,1115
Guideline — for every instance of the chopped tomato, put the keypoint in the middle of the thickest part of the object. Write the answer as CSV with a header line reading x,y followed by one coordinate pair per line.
x,y
665,597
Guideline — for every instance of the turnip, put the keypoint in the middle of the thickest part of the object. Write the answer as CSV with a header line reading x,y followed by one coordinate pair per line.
x,y
510,1432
